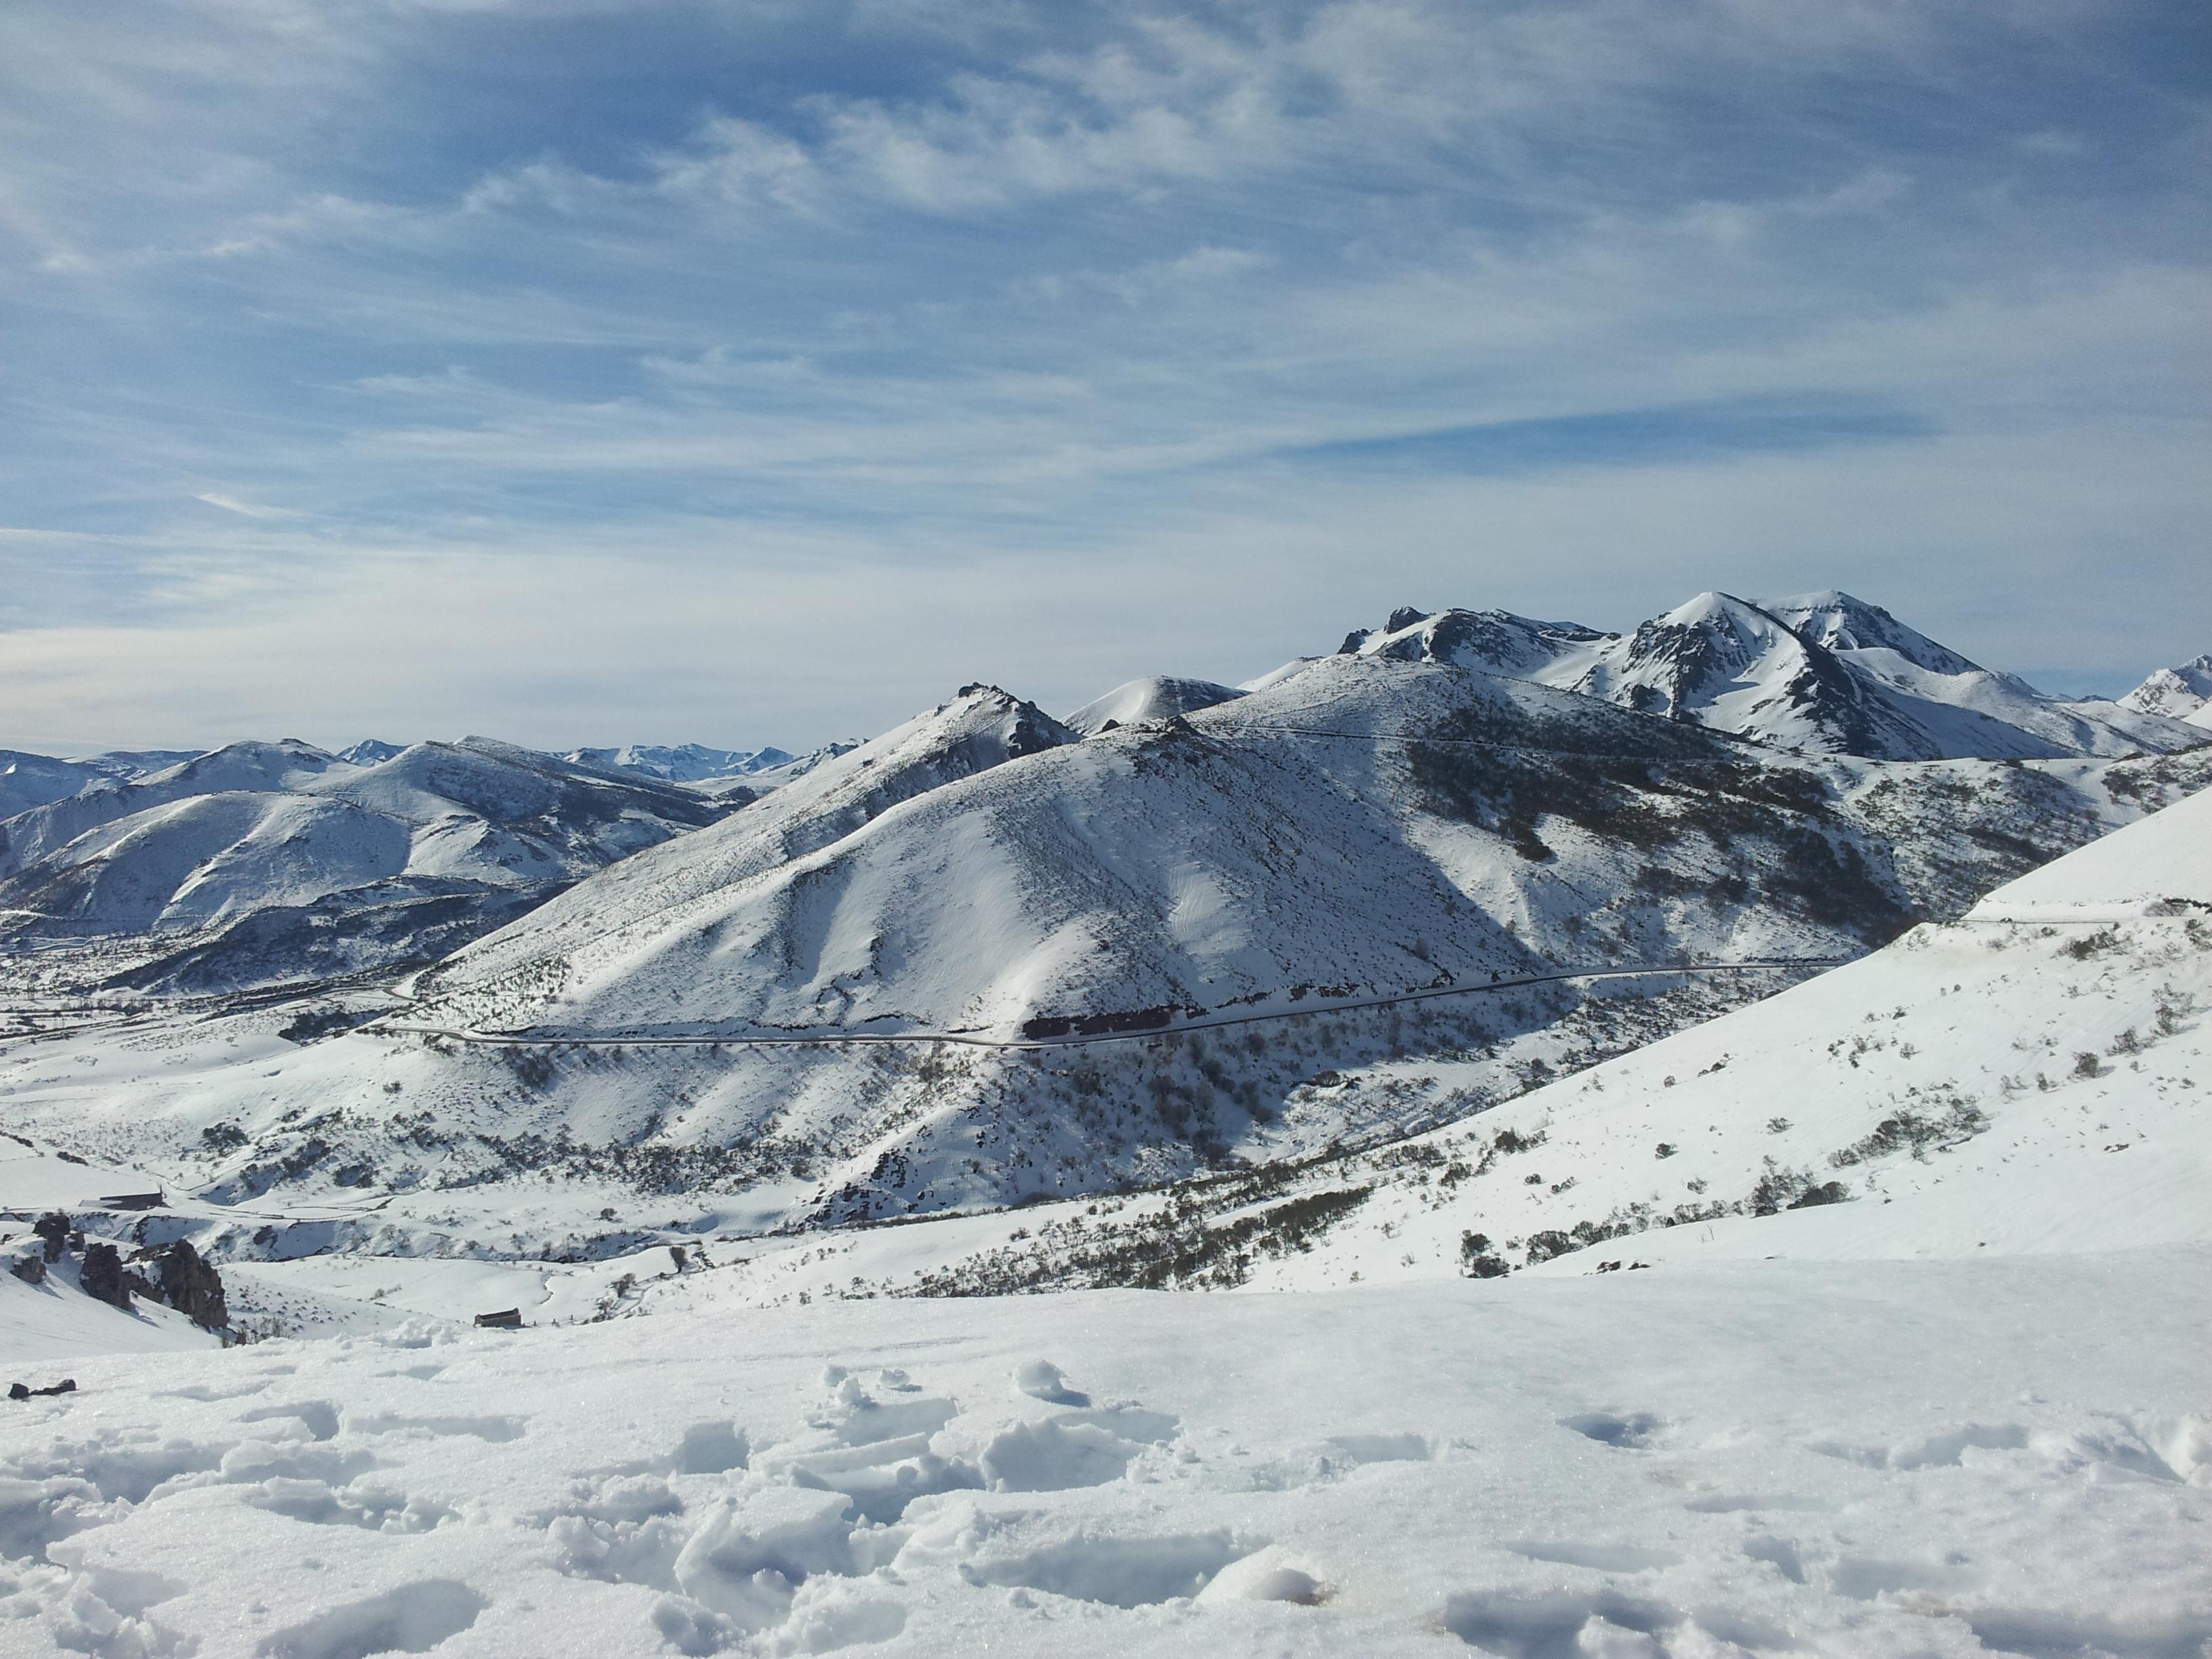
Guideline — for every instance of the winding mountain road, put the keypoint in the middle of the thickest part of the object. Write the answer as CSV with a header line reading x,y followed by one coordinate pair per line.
x,y
968,1039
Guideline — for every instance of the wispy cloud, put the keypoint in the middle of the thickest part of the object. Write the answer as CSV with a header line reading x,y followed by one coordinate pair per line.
x,y
649,308
247,510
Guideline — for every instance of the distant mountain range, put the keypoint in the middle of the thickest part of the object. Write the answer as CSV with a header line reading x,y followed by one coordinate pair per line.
x,y
260,863
29,780
277,863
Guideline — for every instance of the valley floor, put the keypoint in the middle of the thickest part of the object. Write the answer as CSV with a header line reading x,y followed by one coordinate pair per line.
x,y
1929,1458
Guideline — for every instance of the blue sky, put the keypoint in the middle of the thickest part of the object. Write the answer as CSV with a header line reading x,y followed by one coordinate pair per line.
x,y
590,370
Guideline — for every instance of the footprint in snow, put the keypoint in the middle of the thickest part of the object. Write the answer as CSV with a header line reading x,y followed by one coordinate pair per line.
x,y
412,1618
1632,1430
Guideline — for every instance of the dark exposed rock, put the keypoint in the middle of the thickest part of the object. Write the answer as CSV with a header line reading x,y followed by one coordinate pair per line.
x,y
24,1391
101,1276
30,1269
192,1286
53,1229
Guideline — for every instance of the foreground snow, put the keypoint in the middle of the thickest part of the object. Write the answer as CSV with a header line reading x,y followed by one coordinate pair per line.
x,y
1872,1458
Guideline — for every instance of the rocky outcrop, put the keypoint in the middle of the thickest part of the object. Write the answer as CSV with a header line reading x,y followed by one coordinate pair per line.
x,y
100,1277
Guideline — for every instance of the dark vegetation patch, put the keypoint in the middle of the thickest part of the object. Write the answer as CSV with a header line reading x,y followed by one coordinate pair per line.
x,y
1650,785
1917,1130
1175,1248
313,1024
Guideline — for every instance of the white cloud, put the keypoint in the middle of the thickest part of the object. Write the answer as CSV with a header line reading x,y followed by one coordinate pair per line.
x,y
247,510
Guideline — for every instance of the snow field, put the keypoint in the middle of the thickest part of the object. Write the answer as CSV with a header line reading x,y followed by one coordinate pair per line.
x,y
1875,1458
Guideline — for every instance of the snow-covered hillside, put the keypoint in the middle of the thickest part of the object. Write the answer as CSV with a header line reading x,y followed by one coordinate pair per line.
x,y
1823,672
1373,826
253,767
2029,1078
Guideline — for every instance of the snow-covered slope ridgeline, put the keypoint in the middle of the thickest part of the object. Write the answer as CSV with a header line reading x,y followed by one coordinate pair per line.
x,y
282,860
1823,672
1156,698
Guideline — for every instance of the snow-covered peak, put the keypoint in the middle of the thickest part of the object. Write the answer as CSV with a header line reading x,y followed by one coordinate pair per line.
x,y
1722,661
686,763
1154,698
1836,620
2183,692
611,924
1275,676
249,765
1496,641
369,751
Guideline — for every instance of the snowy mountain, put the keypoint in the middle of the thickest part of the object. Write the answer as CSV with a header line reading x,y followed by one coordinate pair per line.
x,y
1215,863
818,1008
1822,672
1495,640
1140,701
654,904
325,867
688,762
2183,693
